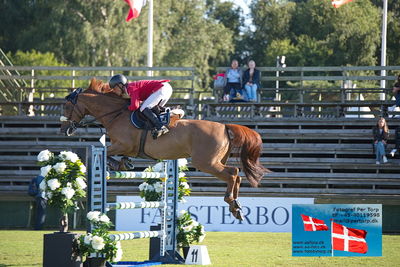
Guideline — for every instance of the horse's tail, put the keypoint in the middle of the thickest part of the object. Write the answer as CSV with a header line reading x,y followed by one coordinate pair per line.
x,y
250,144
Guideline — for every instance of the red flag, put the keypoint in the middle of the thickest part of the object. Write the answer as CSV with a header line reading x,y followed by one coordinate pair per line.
x,y
135,6
312,224
339,3
348,239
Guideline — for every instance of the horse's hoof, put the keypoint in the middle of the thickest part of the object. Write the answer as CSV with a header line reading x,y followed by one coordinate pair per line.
x,y
234,205
113,164
238,214
127,164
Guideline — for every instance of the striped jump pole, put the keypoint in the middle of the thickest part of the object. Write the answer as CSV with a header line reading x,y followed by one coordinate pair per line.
x,y
131,175
97,201
135,205
136,235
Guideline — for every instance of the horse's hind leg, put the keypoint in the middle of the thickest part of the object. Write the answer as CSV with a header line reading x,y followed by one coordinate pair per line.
x,y
231,177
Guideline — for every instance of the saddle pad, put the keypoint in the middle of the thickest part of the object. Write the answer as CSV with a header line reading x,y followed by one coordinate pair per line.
x,y
140,123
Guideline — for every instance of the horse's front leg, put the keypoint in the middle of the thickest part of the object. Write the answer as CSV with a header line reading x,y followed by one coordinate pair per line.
x,y
124,164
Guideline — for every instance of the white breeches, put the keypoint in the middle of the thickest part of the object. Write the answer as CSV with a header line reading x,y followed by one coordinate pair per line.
x,y
160,97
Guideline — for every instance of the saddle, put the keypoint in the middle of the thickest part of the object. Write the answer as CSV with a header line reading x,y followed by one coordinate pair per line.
x,y
139,120
164,115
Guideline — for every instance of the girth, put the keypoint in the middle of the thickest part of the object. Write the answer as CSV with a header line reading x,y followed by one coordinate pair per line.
x,y
141,153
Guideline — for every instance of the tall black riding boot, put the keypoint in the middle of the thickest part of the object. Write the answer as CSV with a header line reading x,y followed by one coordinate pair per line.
x,y
159,129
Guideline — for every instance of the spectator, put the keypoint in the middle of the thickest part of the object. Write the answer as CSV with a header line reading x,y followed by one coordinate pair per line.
x,y
396,92
381,135
233,82
40,199
397,146
251,81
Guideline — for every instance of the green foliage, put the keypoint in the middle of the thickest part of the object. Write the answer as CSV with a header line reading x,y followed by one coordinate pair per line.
x,y
94,33
189,230
313,33
151,188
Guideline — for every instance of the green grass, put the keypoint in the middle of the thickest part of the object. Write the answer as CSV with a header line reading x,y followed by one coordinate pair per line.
x,y
25,248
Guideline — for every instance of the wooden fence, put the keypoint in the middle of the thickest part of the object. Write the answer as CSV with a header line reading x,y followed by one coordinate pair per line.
x,y
286,92
305,84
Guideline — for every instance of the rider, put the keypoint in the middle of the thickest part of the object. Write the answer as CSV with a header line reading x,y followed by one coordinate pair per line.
x,y
144,94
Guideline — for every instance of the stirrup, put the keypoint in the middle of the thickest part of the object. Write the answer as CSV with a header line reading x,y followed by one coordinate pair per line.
x,y
157,133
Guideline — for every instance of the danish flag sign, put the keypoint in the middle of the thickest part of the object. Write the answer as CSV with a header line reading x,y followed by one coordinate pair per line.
x,y
348,239
313,224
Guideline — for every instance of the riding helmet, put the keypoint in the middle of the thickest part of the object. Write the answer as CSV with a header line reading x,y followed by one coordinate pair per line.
x,y
117,79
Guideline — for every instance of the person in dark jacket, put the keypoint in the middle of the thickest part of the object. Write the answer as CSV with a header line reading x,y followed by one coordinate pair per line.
x,y
41,201
251,81
381,135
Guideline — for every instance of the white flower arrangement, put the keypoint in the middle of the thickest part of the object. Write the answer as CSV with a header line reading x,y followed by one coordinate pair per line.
x,y
45,170
67,155
151,188
64,182
99,241
44,155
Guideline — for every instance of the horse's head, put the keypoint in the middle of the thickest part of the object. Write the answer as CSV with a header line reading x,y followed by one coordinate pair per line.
x,y
73,113
80,103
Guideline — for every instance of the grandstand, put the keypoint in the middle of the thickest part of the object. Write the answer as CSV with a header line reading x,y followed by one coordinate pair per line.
x,y
314,149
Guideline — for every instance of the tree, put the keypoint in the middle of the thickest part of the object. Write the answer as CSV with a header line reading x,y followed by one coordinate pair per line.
x,y
35,58
319,33
94,33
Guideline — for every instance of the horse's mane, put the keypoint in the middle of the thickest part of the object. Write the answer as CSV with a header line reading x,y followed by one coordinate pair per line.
x,y
98,87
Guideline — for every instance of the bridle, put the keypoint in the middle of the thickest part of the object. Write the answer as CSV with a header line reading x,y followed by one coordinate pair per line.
x,y
73,125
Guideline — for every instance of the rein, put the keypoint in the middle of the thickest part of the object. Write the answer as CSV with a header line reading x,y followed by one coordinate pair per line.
x,y
120,111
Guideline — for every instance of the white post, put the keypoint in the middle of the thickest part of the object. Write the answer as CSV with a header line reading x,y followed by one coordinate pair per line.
x,y
383,48
277,95
31,110
150,39
332,237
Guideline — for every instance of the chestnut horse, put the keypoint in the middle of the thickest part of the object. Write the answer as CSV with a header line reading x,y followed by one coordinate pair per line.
x,y
207,143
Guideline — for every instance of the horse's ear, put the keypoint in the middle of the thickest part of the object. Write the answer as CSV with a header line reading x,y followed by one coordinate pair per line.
x,y
93,83
99,85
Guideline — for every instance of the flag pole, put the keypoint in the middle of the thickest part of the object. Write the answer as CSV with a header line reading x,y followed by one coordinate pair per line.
x,y
150,39
383,48
332,237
